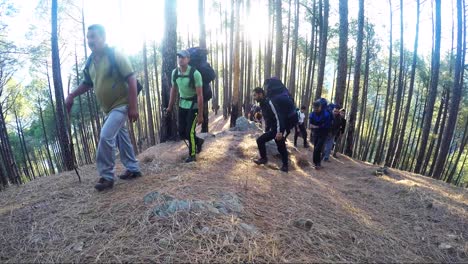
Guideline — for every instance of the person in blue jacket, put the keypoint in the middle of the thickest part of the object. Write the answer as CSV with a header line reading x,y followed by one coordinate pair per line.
x,y
320,122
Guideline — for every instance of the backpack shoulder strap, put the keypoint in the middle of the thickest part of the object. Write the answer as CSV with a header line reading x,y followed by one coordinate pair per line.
x,y
192,77
175,75
89,60
113,64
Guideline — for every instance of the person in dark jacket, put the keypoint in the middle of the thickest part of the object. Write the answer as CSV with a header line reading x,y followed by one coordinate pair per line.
x,y
335,131
274,129
341,132
320,122
301,129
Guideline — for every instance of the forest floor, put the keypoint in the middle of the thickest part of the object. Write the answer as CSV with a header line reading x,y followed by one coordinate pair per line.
x,y
243,212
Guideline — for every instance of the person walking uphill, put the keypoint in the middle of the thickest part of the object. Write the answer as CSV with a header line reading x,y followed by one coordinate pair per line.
x,y
111,76
320,122
187,81
274,129
335,131
300,128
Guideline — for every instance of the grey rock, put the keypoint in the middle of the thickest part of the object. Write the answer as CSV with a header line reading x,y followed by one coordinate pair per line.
x,y
445,246
164,242
243,124
78,247
304,224
229,203
249,228
151,197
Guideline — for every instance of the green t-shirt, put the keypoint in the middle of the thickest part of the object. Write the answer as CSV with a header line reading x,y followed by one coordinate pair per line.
x,y
185,90
111,89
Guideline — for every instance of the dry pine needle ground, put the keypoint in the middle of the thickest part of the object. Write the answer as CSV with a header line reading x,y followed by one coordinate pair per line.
x,y
354,215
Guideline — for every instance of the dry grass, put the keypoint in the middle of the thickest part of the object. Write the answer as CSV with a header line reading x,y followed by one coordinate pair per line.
x,y
349,214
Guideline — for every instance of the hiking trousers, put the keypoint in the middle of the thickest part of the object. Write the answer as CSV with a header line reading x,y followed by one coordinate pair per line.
x,y
300,128
114,133
319,141
280,144
187,125
329,142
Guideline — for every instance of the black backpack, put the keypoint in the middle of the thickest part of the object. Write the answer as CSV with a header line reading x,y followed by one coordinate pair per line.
x,y
280,97
110,52
199,61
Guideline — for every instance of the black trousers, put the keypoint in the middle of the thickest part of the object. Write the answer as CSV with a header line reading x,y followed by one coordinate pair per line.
x,y
281,145
300,128
187,125
319,141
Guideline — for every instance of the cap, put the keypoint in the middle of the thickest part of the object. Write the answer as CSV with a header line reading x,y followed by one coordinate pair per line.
x,y
183,53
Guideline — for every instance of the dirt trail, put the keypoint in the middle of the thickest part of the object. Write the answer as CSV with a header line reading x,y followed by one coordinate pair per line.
x,y
356,216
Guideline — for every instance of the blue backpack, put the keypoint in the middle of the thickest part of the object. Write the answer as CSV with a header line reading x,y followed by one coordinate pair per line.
x,y
280,96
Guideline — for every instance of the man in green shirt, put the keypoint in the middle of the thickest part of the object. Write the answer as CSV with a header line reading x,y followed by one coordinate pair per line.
x,y
188,83
112,77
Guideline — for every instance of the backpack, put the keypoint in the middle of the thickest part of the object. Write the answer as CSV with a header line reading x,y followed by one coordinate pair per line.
x,y
279,95
110,52
199,61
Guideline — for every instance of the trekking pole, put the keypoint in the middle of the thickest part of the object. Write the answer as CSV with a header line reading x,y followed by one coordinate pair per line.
x,y
72,149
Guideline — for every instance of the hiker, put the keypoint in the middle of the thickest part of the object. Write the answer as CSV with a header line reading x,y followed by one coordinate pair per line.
x,y
255,114
333,134
188,83
320,121
339,137
300,128
273,129
111,76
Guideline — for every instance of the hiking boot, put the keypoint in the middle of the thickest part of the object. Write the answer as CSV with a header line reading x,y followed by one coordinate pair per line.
x,y
260,161
129,175
190,159
317,167
200,144
104,184
284,168
326,160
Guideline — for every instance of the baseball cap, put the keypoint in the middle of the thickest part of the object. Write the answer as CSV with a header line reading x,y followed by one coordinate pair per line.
x,y
183,53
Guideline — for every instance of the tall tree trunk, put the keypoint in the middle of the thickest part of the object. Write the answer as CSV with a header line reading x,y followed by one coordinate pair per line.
x,y
432,90
463,144
149,108
323,49
312,57
292,75
279,38
169,48
269,40
287,42
359,137
456,94
202,42
236,110
411,88
396,117
7,153
201,21
57,77
49,156
357,78
381,146
439,136
342,53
